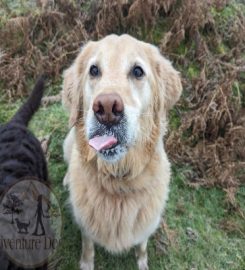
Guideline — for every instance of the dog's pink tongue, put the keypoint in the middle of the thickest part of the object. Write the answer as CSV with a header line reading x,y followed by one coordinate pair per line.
x,y
102,142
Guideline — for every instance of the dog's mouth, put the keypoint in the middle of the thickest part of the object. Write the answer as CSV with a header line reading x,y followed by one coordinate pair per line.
x,y
108,147
105,142
110,142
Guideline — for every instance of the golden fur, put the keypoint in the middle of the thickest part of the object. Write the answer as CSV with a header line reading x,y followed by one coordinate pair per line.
x,y
119,205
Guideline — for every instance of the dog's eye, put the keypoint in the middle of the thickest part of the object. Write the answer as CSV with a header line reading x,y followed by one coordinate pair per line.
x,y
94,71
138,72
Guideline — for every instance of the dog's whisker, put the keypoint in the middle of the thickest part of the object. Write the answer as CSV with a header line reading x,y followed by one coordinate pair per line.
x,y
132,113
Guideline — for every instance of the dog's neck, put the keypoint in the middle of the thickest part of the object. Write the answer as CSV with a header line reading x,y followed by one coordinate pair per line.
x,y
119,177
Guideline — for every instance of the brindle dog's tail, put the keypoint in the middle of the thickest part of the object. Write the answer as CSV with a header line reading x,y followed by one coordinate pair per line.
x,y
26,111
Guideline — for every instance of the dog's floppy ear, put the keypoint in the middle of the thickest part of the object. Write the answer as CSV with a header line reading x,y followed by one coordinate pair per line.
x,y
168,80
70,92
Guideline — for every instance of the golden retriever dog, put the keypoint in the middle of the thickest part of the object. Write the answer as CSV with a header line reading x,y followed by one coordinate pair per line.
x,y
118,92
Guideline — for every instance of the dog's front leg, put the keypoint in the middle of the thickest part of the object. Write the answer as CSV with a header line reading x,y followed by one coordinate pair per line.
x,y
141,256
87,259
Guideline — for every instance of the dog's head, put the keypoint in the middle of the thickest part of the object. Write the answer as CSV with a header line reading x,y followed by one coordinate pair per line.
x,y
120,88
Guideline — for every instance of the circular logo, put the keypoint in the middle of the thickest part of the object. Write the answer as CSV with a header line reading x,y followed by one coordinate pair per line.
x,y
30,223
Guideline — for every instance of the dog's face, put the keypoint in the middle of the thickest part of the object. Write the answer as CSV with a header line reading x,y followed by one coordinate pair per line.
x,y
121,87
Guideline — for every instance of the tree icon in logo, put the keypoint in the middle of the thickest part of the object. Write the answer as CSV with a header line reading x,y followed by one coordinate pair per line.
x,y
12,206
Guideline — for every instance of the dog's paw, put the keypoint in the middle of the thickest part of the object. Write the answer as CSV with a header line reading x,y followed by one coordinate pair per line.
x,y
86,265
143,264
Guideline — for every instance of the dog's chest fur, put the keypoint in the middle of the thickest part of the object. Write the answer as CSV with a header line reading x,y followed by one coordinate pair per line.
x,y
117,220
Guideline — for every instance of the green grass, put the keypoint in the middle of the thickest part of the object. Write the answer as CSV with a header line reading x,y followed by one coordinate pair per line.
x,y
199,211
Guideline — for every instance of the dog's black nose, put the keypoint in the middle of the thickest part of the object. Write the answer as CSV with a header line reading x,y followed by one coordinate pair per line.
x,y
108,108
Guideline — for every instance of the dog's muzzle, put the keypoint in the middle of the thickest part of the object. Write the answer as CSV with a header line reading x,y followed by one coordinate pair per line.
x,y
108,134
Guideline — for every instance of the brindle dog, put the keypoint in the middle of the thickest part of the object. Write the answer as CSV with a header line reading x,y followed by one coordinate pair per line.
x,y
21,154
